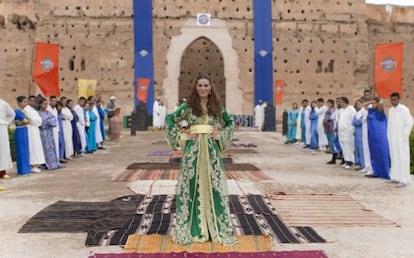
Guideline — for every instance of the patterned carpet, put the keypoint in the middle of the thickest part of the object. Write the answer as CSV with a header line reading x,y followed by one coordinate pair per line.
x,y
325,210
170,171
164,244
279,254
110,223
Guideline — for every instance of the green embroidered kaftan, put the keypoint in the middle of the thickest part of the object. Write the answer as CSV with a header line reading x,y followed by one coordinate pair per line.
x,y
202,201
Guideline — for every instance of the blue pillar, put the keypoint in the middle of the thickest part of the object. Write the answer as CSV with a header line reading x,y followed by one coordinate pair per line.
x,y
143,51
263,57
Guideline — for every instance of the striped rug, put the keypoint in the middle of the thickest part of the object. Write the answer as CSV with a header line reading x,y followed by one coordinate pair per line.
x,y
325,210
278,254
170,171
164,244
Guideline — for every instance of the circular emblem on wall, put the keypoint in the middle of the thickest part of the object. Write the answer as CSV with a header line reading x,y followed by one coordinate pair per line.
x,y
46,64
389,64
143,87
203,19
278,88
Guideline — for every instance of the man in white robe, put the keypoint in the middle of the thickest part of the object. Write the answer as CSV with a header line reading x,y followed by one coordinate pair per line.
x,y
6,117
156,107
52,109
400,123
307,111
322,138
367,155
346,131
67,117
259,114
37,156
163,113
81,123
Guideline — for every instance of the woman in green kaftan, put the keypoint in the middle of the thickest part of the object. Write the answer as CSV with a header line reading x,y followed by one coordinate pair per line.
x,y
202,202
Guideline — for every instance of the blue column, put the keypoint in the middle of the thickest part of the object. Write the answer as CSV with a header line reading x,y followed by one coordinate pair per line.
x,y
143,51
263,57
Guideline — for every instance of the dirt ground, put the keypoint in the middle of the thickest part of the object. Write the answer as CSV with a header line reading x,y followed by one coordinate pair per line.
x,y
293,170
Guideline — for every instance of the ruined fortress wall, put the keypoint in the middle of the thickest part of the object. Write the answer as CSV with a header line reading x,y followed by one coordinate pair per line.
x,y
322,48
396,26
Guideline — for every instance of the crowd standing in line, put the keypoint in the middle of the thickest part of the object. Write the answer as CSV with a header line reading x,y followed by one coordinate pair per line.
x,y
50,132
360,135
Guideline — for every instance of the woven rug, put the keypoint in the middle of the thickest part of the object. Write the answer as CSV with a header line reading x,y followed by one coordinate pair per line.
x,y
241,151
164,153
325,210
110,223
164,244
170,171
279,254
242,145
251,215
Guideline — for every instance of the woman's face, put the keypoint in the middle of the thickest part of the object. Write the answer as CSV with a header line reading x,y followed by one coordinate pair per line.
x,y
295,106
203,88
59,108
313,105
358,105
23,104
69,104
329,104
374,104
43,105
86,107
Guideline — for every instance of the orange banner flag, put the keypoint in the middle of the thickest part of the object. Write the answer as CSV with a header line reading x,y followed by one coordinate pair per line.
x,y
142,89
388,69
46,69
278,91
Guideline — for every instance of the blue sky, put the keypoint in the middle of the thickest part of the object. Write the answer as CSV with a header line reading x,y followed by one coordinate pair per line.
x,y
394,2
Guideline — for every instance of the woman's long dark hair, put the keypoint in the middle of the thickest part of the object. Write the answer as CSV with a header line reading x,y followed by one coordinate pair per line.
x,y
213,103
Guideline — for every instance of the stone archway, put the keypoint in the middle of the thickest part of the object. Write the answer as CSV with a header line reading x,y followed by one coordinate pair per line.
x,y
217,33
202,56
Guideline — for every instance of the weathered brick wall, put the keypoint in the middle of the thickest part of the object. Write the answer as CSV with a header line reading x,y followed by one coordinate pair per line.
x,y
321,48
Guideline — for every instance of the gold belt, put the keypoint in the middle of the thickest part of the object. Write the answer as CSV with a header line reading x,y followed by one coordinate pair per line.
x,y
201,129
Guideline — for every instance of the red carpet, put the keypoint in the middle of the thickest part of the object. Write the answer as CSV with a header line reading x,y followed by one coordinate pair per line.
x,y
286,254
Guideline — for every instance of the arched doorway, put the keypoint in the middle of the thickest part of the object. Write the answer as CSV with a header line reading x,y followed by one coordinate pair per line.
x,y
202,56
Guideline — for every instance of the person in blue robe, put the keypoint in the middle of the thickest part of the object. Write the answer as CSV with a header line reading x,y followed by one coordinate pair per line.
x,y
329,125
313,117
357,122
77,146
292,124
102,114
91,134
303,121
377,140
62,147
21,138
46,133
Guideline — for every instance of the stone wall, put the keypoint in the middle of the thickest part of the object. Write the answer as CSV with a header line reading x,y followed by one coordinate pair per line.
x,y
322,48
394,26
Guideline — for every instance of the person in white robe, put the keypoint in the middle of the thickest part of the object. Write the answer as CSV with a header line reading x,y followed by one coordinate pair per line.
x,y
6,117
363,114
400,123
259,115
322,138
98,133
299,127
37,156
346,132
67,117
52,109
81,123
163,113
156,108
307,111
